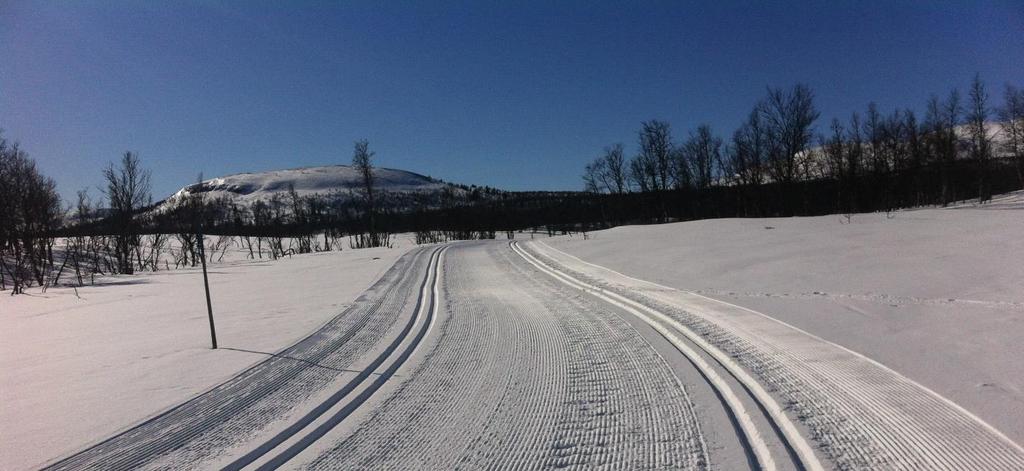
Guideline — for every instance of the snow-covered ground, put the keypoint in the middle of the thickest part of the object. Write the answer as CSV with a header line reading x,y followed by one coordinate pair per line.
x,y
76,367
517,353
935,294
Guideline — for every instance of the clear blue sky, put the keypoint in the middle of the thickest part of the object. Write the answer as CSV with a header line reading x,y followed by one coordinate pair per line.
x,y
517,95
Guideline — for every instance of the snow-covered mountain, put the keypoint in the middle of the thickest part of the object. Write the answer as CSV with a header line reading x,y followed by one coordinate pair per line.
x,y
339,181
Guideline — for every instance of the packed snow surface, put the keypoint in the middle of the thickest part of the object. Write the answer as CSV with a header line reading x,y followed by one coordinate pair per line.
x,y
718,344
79,365
831,405
935,294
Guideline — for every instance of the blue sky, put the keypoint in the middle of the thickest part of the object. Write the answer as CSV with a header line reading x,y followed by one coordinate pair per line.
x,y
518,95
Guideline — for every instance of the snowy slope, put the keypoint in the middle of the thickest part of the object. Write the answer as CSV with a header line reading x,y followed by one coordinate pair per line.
x,y
933,293
536,337
860,414
342,180
80,364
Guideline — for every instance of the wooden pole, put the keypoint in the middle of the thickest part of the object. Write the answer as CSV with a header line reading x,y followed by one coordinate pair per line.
x,y
206,284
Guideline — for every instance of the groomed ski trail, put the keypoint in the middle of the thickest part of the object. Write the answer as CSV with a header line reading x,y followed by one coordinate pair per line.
x,y
521,375
859,413
253,406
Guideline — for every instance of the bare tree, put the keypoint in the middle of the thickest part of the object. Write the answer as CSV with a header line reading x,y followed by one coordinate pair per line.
x,y
950,141
127,192
916,154
834,147
702,151
78,245
788,117
748,151
300,219
615,168
681,175
941,140
362,160
189,214
639,172
30,210
656,153
276,216
894,142
890,156
981,142
261,218
1011,119
874,137
593,175
855,143
607,173
7,211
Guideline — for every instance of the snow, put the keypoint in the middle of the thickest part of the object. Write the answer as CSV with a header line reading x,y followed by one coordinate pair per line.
x,y
249,187
77,367
861,414
519,373
934,293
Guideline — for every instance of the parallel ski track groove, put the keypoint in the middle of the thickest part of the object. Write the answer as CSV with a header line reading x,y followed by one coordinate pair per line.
x,y
430,281
675,440
862,415
749,433
452,390
237,409
584,400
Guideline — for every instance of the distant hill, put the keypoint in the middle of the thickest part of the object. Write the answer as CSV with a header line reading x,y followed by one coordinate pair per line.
x,y
332,181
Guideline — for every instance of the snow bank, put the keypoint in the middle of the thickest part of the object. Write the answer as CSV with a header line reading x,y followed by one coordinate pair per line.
x,y
75,368
935,294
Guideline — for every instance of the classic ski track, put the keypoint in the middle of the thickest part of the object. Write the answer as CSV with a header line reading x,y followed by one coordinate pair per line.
x,y
595,394
731,399
607,329
234,412
862,414
426,311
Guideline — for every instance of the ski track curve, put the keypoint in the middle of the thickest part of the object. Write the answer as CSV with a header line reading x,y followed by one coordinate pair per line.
x,y
523,374
714,371
193,434
524,361
860,414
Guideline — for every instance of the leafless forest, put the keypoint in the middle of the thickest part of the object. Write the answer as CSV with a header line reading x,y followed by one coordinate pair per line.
x,y
780,161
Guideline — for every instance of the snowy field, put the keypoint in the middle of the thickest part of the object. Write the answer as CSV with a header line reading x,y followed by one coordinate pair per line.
x,y
935,294
539,353
77,367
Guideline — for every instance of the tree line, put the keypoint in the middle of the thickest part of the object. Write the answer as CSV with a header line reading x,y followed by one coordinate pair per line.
x,y
29,205
41,240
776,164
